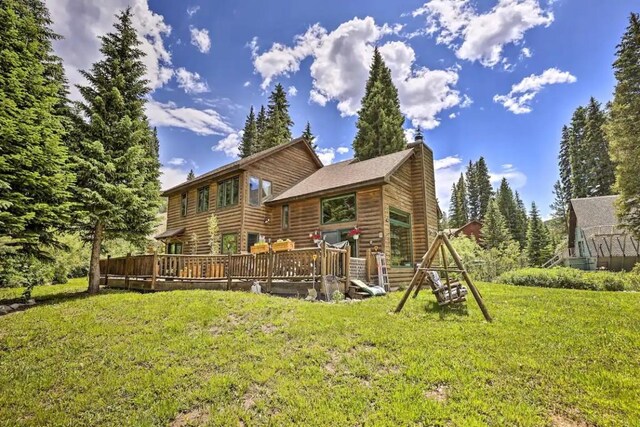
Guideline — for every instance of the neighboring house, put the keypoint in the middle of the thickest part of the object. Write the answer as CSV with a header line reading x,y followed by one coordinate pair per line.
x,y
595,238
471,229
285,192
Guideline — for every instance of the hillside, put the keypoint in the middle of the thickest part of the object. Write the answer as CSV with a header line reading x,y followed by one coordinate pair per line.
x,y
551,357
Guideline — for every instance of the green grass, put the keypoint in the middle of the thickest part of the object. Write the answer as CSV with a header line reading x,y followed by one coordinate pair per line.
x,y
46,292
226,358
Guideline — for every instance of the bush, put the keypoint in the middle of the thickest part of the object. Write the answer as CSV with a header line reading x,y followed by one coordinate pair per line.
x,y
487,264
571,278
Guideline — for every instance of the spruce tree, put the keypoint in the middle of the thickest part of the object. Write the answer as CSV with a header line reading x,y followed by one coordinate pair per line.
x,y
623,128
559,206
599,168
453,207
495,233
579,155
508,208
261,129
191,176
538,240
249,136
309,137
117,189
458,213
379,125
278,124
485,190
564,164
34,176
473,191
522,222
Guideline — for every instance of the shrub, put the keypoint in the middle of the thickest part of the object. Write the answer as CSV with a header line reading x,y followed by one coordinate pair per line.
x,y
571,278
487,264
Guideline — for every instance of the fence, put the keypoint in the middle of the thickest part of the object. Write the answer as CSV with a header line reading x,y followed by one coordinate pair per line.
x,y
294,265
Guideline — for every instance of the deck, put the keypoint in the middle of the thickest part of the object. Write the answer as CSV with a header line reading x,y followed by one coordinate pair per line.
x,y
288,273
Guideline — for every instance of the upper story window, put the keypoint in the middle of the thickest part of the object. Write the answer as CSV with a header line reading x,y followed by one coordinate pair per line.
x,y
228,191
184,204
203,199
259,190
338,209
285,217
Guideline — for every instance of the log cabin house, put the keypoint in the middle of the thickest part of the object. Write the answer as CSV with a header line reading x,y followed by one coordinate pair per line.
x,y
285,192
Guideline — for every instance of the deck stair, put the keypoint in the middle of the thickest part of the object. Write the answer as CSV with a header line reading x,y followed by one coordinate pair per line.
x,y
553,261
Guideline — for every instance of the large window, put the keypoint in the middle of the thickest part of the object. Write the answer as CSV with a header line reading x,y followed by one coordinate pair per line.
x,y
339,209
228,192
285,217
252,239
174,248
203,199
400,227
184,204
229,243
259,190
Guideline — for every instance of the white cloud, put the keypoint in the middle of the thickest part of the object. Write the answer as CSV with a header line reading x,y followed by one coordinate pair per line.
x,y
516,178
171,176
247,83
200,39
292,91
177,161
342,150
201,122
477,36
192,10
518,100
190,82
81,22
230,144
326,155
526,52
340,67
453,115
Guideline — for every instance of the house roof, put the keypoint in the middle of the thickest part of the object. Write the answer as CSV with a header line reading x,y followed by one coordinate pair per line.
x,y
173,232
347,174
241,163
595,211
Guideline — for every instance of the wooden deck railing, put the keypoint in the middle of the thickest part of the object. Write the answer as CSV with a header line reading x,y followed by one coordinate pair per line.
x,y
294,265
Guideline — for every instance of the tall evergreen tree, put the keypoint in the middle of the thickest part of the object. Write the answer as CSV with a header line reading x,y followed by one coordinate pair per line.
x,y
485,190
278,127
523,222
599,168
261,129
579,155
34,177
559,205
453,207
508,208
623,128
309,137
564,164
495,233
473,191
249,141
539,248
380,121
116,164
191,176
458,213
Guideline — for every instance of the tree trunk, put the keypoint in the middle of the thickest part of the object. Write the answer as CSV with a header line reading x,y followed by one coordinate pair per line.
x,y
94,265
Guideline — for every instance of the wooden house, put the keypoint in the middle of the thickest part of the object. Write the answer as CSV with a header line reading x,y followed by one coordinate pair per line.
x,y
286,192
471,229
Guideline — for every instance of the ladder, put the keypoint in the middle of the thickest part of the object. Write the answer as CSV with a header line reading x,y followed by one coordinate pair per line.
x,y
383,272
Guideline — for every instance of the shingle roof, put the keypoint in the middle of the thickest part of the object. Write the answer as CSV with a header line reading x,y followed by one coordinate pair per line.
x,y
349,173
595,211
239,164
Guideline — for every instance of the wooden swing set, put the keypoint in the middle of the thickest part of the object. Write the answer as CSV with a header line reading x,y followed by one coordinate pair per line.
x,y
449,292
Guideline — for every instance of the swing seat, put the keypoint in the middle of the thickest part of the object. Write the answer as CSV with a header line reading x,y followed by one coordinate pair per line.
x,y
457,294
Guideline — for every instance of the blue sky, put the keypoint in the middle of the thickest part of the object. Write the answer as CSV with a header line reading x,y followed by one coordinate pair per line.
x,y
494,78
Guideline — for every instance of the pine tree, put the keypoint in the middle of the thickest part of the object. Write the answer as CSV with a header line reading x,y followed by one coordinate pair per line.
x,y
599,168
309,137
380,121
458,214
522,222
559,206
278,124
579,154
485,190
261,129
473,191
249,136
623,128
538,241
564,164
191,176
453,207
34,177
495,233
508,208
115,149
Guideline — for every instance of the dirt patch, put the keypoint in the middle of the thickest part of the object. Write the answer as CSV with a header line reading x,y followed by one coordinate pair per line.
x,y
440,393
216,330
268,328
252,395
195,417
558,420
332,365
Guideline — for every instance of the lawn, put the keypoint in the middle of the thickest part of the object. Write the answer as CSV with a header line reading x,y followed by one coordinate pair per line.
x,y
43,293
551,357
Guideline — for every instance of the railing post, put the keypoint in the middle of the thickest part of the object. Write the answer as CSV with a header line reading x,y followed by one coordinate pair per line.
x,y
229,271
323,263
270,269
126,270
154,271
367,265
347,268
106,271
